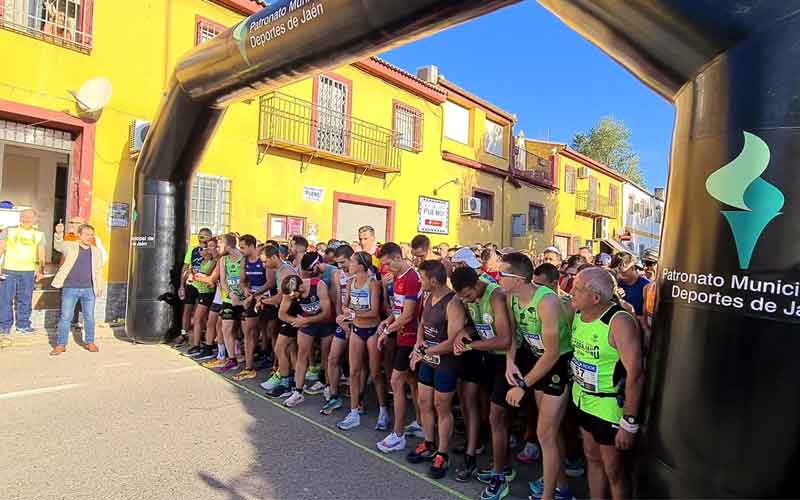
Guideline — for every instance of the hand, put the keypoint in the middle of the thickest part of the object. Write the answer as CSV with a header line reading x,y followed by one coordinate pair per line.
x,y
511,370
182,293
248,300
624,440
98,293
300,322
235,300
382,338
415,359
38,276
60,228
459,345
514,396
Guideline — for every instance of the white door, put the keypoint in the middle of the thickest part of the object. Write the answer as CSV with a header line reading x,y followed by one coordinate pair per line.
x,y
562,243
351,216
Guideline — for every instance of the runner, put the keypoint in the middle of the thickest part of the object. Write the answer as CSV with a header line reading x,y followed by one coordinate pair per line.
x,y
329,274
312,320
339,343
254,283
298,249
443,318
486,304
421,249
542,326
403,322
206,291
231,269
464,257
279,383
607,347
187,292
363,311
552,255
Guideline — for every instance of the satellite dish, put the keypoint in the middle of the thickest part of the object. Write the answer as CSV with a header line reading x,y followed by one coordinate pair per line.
x,y
92,97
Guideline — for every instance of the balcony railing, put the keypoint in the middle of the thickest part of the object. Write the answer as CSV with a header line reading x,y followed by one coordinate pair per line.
x,y
533,167
62,22
594,206
294,124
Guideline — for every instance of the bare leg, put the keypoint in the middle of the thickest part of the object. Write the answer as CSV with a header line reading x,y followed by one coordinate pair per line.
x,y
282,353
427,415
211,328
472,415
228,338
443,402
499,426
357,348
399,380
615,472
338,347
375,370
250,331
304,345
198,323
325,348
551,414
598,485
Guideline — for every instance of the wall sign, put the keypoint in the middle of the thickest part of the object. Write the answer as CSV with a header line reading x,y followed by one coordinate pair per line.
x,y
313,194
434,216
118,215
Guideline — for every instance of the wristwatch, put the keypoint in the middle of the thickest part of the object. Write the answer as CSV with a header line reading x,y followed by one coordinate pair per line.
x,y
422,349
631,419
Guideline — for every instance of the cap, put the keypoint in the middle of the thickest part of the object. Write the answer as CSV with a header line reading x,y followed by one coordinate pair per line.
x,y
507,250
623,261
552,250
603,260
466,256
650,254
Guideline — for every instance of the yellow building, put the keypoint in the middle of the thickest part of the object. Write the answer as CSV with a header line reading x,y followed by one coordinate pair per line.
x,y
588,208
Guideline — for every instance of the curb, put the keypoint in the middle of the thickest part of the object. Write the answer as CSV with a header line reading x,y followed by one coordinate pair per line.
x,y
42,337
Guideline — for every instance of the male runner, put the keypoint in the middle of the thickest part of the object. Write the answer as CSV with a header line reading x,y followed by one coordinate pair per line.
x,y
231,268
278,383
187,292
254,283
206,290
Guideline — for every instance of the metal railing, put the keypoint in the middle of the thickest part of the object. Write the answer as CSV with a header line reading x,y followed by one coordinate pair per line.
x,y
596,206
293,123
62,22
533,167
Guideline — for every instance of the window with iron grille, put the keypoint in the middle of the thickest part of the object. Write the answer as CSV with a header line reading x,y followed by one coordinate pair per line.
x,y
536,217
332,99
493,138
569,179
62,22
211,203
407,127
206,29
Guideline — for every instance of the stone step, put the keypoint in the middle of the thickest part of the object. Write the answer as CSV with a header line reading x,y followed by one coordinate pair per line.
x,y
48,336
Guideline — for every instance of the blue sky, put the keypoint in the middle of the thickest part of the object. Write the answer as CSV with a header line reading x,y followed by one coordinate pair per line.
x,y
527,61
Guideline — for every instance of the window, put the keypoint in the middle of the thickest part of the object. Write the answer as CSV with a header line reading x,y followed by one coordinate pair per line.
x,y
487,204
282,227
536,217
206,29
517,225
658,214
456,122
569,179
332,101
631,205
493,138
407,127
211,204
64,22
613,195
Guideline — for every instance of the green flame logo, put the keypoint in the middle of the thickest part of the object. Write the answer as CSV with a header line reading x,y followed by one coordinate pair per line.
x,y
739,184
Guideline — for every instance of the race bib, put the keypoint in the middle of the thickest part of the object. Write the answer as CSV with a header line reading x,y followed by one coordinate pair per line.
x,y
584,374
397,305
359,300
431,359
484,330
535,341
310,308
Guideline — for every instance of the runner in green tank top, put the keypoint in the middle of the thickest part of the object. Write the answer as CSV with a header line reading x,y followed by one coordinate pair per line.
x,y
541,362
486,305
607,346
230,275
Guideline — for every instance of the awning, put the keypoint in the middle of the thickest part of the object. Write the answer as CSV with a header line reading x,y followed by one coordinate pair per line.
x,y
617,246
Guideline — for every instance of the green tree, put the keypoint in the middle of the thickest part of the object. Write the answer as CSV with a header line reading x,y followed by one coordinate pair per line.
x,y
609,142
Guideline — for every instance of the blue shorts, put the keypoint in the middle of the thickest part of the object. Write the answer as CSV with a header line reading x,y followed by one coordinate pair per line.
x,y
441,380
320,330
339,333
365,333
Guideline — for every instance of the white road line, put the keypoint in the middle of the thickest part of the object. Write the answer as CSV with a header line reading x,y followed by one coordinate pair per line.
x,y
116,365
43,390
177,370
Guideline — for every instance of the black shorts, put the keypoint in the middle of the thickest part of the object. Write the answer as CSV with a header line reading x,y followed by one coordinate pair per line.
x,y
557,379
496,366
192,295
215,307
287,330
402,358
251,312
205,299
231,312
443,381
603,432
472,368
319,330
269,313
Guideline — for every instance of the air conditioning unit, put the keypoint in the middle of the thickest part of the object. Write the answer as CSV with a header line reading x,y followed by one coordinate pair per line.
x,y
583,172
600,228
429,74
471,206
138,133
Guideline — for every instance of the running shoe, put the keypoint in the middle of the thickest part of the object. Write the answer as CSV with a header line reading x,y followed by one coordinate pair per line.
x,y
467,472
439,466
332,404
272,382
214,363
351,421
295,399
486,475
362,410
421,454
179,342
312,374
383,420
207,352
281,390
497,489
529,454
193,351
537,491
231,365
414,430
25,331
244,375
574,468
514,442
326,393
392,443
315,389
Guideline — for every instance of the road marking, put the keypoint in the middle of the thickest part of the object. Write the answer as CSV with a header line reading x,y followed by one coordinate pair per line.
x,y
338,435
116,365
43,390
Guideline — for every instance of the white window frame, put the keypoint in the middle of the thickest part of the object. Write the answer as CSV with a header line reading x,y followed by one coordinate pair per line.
x,y
494,138
456,122
211,203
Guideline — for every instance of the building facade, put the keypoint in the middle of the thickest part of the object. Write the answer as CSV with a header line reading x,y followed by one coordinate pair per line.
x,y
643,213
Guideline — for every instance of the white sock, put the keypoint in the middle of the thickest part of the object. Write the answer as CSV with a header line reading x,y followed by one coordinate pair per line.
x,y
221,351
383,410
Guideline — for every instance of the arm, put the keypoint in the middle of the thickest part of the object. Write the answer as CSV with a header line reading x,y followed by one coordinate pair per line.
x,y
223,281
336,292
210,279
40,257
324,313
626,340
550,312
283,312
511,353
58,239
502,326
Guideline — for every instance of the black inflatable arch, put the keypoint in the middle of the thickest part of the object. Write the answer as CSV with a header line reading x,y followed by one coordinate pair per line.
x,y
723,399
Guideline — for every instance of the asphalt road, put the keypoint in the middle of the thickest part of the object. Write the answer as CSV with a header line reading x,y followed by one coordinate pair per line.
x,y
143,422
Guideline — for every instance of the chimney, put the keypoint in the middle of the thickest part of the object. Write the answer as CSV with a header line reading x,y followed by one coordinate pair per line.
x,y
429,74
659,193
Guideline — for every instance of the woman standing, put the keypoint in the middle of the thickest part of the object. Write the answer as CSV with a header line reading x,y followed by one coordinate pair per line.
x,y
206,289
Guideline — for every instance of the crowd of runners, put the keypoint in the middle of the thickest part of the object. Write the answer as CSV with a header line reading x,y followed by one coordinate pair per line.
x,y
508,346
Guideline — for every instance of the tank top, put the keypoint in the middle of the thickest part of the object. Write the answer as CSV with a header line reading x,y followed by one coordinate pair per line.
x,y
482,315
280,273
344,281
206,267
327,276
434,317
596,366
22,249
256,274
360,297
233,276
529,325
310,305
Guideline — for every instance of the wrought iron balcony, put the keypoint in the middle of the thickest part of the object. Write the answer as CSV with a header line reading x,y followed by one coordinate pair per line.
x,y
62,22
594,205
533,167
293,124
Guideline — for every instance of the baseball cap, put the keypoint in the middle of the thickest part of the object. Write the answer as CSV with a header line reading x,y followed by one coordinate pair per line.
x,y
466,256
507,250
603,260
650,254
552,250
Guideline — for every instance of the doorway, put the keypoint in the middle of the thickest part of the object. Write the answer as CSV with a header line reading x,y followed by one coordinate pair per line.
x,y
351,212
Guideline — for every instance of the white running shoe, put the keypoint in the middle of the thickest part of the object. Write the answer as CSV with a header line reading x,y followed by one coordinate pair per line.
x,y
326,393
315,389
295,399
392,443
383,420
414,430
272,382
351,421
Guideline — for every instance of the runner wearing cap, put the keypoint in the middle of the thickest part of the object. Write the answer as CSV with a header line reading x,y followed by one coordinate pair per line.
x,y
552,255
631,282
464,257
650,261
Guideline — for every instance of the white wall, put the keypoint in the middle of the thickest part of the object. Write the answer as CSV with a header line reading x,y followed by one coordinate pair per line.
x,y
642,216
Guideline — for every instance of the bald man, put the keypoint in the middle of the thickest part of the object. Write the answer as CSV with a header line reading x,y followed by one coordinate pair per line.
x,y
22,250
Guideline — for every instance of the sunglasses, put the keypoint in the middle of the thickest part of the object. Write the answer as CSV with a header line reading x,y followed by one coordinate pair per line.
x,y
512,275
650,263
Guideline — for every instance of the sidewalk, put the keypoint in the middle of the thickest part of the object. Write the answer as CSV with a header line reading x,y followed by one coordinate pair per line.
x,y
48,336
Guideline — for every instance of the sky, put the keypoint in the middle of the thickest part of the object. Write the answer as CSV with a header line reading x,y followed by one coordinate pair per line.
x,y
528,62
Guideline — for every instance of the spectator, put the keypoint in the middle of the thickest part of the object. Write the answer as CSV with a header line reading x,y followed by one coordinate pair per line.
x,y
571,270
552,255
631,281
59,237
490,262
81,279
586,253
22,248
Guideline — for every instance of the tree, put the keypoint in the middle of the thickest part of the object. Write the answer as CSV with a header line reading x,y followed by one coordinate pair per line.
x,y
609,143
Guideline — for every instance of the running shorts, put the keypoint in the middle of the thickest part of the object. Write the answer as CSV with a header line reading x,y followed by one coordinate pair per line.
x,y
191,296
339,333
604,432
472,368
443,381
496,366
231,312
287,330
319,330
402,358
364,333
205,299
557,379
215,307
269,313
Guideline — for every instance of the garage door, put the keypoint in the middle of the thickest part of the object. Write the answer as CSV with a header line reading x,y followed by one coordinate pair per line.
x,y
351,216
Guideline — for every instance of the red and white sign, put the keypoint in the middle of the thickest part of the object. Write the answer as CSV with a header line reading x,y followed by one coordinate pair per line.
x,y
434,215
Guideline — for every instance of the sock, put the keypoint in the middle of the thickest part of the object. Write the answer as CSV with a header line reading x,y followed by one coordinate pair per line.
x,y
221,351
430,445
470,459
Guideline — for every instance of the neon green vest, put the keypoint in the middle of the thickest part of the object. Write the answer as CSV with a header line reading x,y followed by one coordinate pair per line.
x,y
22,247
233,276
529,326
206,267
482,315
594,366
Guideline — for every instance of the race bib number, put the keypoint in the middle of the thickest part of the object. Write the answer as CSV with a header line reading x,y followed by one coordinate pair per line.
x,y
359,300
432,359
584,374
535,341
485,331
397,305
